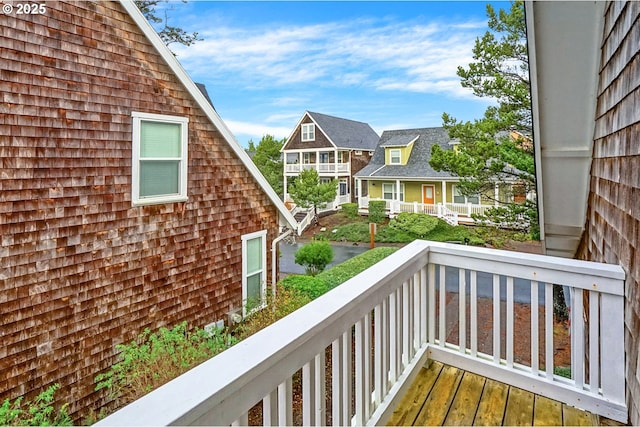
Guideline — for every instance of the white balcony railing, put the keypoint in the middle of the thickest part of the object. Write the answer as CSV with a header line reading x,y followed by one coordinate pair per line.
x,y
396,315
394,207
322,168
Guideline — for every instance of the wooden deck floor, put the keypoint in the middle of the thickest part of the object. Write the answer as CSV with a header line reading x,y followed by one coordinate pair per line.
x,y
442,395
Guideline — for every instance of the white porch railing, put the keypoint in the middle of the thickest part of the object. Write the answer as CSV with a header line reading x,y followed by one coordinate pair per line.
x,y
394,316
394,207
467,209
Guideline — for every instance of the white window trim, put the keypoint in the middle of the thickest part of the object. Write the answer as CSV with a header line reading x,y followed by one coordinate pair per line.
x,y
309,134
393,191
466,199
263,286
136,200
391,156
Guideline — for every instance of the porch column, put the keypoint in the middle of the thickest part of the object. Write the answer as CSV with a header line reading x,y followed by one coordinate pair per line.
x,y
359,184
398,193
496,194
318,162
444,193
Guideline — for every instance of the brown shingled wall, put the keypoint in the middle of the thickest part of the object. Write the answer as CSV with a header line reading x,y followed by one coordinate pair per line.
x,y
81,269
613,216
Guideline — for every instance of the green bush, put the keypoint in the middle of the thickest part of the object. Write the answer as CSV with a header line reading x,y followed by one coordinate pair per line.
x,y
377,210
350,210
156,358
314,256
40,412
287,300
414,223
354,266
309,286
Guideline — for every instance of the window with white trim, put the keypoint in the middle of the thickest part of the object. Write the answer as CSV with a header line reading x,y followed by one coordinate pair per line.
x,y
458,197
395,157
159,159
389,191
254,271
308,132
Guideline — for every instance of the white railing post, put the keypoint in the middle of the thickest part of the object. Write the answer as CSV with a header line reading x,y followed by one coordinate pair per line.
x,y
612,350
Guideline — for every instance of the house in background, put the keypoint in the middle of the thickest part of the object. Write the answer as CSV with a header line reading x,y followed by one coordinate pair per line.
x,y
585,80
399,173
125,201
337,148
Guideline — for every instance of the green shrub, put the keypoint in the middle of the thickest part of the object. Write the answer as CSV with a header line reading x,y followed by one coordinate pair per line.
x,y
377,210
414,223
350,210
354,266
287,300
156,358
314,256
309,286
40,412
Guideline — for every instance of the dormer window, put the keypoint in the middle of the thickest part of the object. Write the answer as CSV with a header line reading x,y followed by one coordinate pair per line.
x,y
308,132
395,157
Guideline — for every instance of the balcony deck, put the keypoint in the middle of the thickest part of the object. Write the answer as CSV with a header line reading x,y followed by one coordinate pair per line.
x,y
443,395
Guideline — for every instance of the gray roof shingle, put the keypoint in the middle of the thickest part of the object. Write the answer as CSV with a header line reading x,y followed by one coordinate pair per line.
x,y
346,133
418,164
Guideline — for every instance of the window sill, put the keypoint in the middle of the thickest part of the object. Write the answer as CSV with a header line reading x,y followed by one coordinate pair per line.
x,y
159,201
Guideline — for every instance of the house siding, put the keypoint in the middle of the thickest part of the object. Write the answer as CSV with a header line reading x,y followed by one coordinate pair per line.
x,y
295,141
612,230
81,269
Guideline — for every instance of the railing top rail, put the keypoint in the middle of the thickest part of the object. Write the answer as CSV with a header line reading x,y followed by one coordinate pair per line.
x,y
607,278
283,348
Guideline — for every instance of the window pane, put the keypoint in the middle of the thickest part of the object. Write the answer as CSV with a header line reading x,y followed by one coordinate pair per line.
x,y
254,255
474,199
159,177
159,139
254,292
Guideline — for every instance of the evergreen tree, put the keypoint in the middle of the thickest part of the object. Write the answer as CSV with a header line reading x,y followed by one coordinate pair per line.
x,y
308,192
268,159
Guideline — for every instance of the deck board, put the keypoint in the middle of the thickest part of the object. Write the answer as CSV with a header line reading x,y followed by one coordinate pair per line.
x,y
444,395
465,404
435,408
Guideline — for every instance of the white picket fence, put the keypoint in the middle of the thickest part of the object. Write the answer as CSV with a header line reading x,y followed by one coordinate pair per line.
x,y
393,317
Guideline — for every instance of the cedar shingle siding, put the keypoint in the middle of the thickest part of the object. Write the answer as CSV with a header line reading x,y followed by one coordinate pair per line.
x,y
613,216
81,270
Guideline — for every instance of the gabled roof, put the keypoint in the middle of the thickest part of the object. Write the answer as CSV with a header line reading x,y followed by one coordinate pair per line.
x,y
418,164
206,106
344,133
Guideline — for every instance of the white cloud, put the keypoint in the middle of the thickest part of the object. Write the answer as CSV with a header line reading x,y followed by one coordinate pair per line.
x,y
414,57
247,128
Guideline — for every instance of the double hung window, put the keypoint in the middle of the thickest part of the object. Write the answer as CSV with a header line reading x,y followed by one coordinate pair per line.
x,y
159,159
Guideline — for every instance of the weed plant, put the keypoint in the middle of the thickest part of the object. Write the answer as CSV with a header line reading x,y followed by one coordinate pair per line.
x,y
156,358
39,412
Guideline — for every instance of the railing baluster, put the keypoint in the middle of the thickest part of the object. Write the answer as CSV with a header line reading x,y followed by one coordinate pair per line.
x,y
367,365
270,409
398,335
285,397
361,394
393,340
462,311
443,323
548,330
424,320
416,322
346,377
379,376
406,325
535,337
577,338
509,325
594,342
385,346
337,400
308,394
496,319
474,313
431,303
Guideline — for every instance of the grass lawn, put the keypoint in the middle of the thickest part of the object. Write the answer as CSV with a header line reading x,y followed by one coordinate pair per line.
x,y
340,228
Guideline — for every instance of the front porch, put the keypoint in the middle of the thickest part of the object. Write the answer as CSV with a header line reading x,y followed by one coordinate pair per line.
x,y
354,352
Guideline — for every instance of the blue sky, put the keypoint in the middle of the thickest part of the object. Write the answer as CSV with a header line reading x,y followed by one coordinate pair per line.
x,y
389,64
